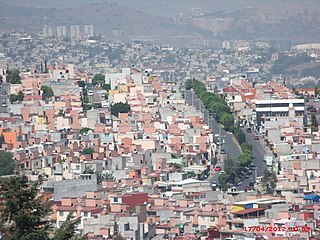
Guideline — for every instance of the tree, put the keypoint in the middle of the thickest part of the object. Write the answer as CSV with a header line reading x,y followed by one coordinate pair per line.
x,y
1,142
14,76
227,120
118,237
223,180
68,228
106,87
20,96
47,92
89,151
98,79
23,215
120,108
13,98
105,177
314,123
89,170
81,84
7,163
85,130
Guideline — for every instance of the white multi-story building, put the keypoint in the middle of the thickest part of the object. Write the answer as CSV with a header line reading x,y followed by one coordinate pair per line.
x,y
283,110
47,31
88,30
61,31
75,31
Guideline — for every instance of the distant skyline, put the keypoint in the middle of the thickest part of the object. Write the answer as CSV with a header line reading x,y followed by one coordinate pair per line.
x,y
176,22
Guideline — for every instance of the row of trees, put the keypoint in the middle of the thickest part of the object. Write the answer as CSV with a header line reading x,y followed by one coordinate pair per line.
x,y
213,103
218,107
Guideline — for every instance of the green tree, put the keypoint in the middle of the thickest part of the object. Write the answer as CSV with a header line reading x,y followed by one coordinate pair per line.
x,y
89,170
7,163
1,142
227,120
118,237
85,130
98,79
106,87
81,84
20,96
23,215
68,229
223,180
13,98
14,76
314,123
89,151
105,177
47,92
120,108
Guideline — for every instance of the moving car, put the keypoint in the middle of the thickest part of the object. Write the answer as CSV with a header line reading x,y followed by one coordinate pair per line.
x,y
256,137
223,151
248,188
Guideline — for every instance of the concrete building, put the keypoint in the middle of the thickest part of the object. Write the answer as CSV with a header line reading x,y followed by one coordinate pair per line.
x,y
88,30
61,31
47,32
75,31
290,109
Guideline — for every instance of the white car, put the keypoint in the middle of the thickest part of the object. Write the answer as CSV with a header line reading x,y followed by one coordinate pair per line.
x,y
90,93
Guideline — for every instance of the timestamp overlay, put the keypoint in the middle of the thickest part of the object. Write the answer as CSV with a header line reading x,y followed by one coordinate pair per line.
x,y
277,229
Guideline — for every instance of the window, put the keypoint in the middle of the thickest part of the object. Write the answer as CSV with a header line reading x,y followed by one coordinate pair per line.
x,y
188,217
60,213
212,219
77,167
115,199
85,214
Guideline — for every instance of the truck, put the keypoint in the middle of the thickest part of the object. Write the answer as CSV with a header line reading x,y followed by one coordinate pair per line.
x,y
268,158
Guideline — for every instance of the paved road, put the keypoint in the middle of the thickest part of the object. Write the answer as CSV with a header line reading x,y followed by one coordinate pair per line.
x,y
232,147
230,144
4,98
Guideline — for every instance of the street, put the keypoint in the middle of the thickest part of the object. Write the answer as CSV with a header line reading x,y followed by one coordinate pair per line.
x,y
232,147
4,98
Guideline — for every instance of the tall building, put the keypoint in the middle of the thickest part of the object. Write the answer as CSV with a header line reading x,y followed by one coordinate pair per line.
x,y
75,31
61,31
47,31
88,30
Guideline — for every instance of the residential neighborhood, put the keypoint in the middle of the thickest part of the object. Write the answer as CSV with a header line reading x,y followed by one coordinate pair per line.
x,y
161,142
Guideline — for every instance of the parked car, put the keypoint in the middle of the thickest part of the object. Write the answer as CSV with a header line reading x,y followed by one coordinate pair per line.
x,y
248,188
256,137
249,130
217,168
223,151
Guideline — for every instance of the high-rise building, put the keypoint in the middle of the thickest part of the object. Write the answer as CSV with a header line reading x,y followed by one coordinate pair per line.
x,y
75,31
88,30
61,31
47,31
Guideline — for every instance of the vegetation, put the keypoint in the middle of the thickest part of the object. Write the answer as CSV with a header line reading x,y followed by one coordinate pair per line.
x,y
105,177
268,182
218,107
1,141
89,170
16,97
284,62
314,123
14,76
314,72
7,163
85,130
120,108
81,84
24,214
98,79
106,87
47,92
89,151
